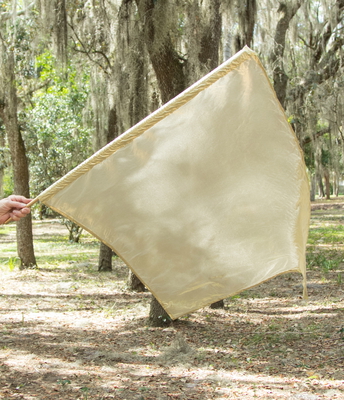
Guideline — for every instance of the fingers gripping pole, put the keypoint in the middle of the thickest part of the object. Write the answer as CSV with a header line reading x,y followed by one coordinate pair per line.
x,y
32,202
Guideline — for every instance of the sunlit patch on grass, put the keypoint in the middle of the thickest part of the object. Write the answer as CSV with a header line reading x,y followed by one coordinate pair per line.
x,y
326,233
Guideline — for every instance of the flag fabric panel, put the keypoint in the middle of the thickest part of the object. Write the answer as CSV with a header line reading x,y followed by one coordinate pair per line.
x,y
204,198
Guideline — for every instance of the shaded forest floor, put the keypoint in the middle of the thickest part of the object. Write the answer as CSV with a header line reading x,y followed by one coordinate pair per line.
x,y
69,332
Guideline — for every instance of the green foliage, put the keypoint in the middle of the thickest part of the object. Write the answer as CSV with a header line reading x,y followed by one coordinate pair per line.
x,y
339,279
64,382
341,331
85,391
308,154
8,184
57,139
326,260
12,262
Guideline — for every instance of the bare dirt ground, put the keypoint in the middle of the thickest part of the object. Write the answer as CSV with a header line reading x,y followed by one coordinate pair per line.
x,y
68,332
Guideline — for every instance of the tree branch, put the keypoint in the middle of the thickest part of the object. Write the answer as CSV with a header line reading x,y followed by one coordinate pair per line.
x,y
315,136
84,50
43,85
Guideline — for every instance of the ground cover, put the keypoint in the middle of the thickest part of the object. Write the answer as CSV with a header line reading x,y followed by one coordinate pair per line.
x,y
69,332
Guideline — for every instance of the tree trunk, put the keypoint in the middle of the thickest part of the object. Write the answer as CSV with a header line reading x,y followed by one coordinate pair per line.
x,y
319,170
280,78
313,186
320,186
218,304
105,258
167,64
138,99
105,252
134,283
8,114
327,184
168,68
209,54
170,73
211,38
247,12
336,183
60,32
157,315
2,161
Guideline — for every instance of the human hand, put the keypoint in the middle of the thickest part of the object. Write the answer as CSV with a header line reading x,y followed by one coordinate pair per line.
x,y
13,207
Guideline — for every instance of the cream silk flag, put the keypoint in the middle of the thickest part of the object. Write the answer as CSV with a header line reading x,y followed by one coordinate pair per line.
x,y
204,198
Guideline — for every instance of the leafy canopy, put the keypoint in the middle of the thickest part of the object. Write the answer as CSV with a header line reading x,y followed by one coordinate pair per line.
x,y
57,138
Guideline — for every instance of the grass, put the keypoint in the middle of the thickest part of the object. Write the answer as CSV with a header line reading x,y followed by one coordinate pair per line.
x,y
324,259
52,250
326,242
326,234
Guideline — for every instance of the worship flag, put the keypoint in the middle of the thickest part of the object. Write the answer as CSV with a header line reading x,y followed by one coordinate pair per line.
x,y
204,198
